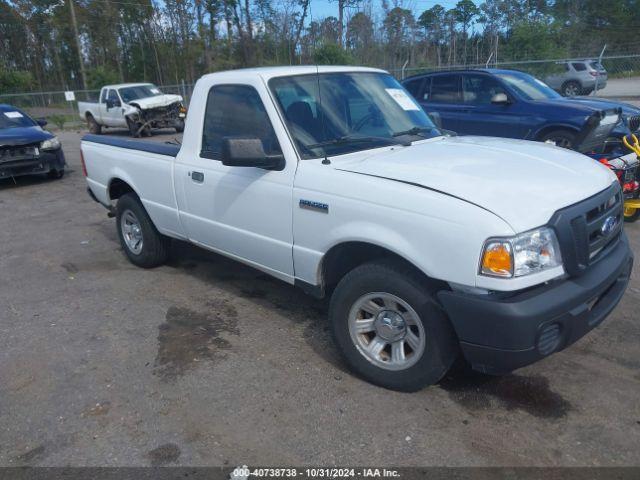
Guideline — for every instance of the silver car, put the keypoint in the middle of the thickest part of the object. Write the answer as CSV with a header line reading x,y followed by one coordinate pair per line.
x,y
578,77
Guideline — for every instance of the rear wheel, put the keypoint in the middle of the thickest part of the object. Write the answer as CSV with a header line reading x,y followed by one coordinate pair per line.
x,y
140,240
571,89
92,125
389,328
561,138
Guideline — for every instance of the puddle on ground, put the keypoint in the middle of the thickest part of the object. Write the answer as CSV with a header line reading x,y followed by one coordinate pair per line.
x,y
531,394
188,337
164,454
32,454
70,267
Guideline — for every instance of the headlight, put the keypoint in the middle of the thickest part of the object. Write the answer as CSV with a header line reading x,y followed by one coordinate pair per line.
x,y
527,253
51,144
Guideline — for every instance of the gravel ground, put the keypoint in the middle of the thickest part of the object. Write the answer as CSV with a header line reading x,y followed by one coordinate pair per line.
x,y
208,362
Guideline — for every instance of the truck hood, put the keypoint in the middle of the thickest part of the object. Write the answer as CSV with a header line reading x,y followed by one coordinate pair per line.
x,y
524,183
11,137
156,101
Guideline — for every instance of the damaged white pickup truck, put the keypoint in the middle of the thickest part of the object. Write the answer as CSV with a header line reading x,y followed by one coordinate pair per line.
x,y
139,107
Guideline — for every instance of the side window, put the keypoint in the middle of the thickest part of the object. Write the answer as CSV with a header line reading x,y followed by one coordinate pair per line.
x,y
480,89
579,67
445,89
414,87
113,96
236,111
103,96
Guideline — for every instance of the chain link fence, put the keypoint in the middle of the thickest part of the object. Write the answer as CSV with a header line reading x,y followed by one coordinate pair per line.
x,y
623,83
623,72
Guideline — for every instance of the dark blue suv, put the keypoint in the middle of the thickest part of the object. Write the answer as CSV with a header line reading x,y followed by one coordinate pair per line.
x,y
508,103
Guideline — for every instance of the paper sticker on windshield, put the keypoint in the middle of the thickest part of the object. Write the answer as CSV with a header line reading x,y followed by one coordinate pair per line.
x,y
402,99
13,114
154,90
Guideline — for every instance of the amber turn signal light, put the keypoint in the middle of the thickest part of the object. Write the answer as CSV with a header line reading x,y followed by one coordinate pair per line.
x,y
497,259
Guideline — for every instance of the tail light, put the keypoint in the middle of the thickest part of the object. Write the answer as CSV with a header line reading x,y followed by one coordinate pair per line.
x,y
594,74
84,167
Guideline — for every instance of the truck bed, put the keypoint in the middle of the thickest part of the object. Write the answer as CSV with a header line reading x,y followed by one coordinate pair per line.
x,y
167,149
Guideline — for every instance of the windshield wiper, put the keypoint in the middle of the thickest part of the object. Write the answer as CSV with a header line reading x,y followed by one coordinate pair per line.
x,y
413,131
346,139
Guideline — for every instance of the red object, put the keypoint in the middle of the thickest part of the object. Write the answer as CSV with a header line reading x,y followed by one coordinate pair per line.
x,y
630,186
84,167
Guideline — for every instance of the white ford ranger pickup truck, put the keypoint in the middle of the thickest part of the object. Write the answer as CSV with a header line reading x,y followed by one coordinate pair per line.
x,y
429,246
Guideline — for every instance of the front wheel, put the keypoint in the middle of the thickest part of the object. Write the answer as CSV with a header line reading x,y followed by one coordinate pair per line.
x,y
56,174
389,328
180,126
561,138
140,240
134,128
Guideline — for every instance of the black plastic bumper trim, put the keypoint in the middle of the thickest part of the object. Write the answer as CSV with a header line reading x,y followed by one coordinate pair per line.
x,y
498,335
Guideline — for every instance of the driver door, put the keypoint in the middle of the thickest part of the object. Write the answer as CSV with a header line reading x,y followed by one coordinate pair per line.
x,y
243,212
114,116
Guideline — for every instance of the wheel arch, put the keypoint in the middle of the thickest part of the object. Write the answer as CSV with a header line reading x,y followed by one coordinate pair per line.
x,y
118,187
343,257
556,126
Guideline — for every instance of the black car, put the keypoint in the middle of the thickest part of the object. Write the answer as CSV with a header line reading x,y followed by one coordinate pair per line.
x,y
512,104
26,148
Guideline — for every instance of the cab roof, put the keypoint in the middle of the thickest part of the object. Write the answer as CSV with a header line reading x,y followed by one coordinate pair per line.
x,y
122,85
271,72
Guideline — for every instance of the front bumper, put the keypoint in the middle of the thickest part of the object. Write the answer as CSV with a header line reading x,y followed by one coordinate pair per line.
x,y
500,334
47,161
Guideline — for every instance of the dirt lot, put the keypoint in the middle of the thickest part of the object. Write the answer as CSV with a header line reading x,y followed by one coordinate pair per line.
x,y
207,362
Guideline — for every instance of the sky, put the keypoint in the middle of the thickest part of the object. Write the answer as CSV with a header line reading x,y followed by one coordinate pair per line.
x,y
327,8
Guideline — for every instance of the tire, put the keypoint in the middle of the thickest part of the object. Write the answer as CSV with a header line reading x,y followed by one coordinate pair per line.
x,y
571,89
562,138
405,293
180,126
134,223
56,174
93,126
133,128
631,214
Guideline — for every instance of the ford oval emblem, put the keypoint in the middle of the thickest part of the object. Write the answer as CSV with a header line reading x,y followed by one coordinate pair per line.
x,y
609,225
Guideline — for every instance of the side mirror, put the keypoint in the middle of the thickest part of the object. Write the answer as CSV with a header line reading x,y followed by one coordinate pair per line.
x,y
249,152
42,122
435,118
500,98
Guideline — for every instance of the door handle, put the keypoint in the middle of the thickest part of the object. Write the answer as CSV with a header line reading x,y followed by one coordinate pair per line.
x,y
197,177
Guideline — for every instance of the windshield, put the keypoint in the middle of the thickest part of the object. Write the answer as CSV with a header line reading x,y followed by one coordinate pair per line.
x,y
337,113
14,118
528,87
128,94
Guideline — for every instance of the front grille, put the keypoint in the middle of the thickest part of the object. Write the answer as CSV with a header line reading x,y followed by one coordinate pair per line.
x,y
21,152
633,122
587,230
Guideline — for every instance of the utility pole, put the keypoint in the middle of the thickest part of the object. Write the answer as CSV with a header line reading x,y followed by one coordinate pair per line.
x,y
83,74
